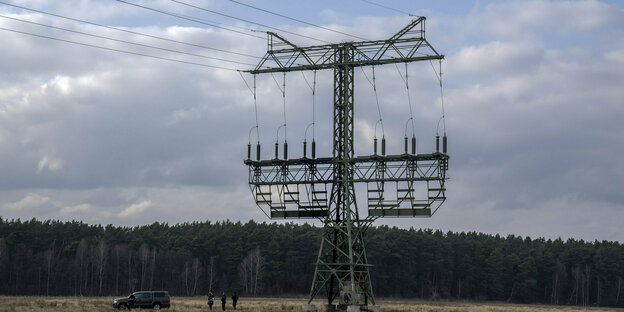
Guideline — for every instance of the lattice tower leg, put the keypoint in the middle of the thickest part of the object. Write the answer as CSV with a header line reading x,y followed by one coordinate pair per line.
x,y
341,268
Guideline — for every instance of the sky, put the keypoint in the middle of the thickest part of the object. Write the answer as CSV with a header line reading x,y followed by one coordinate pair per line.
x,y
532,90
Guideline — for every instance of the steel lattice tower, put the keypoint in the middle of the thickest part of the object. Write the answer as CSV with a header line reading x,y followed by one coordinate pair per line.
x,y
298,188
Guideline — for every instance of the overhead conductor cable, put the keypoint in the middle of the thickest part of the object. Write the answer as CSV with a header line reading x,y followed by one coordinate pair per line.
x,y
124,41
192,19
115,50
129,31
296,20
243,20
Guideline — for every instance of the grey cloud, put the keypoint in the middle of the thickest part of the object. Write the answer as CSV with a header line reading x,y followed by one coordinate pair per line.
x,y
534,128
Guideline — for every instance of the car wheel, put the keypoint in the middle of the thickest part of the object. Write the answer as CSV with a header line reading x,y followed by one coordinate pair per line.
x,y
156,306
122,306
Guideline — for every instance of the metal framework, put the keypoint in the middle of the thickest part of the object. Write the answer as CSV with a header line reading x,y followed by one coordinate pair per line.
x,y
323,187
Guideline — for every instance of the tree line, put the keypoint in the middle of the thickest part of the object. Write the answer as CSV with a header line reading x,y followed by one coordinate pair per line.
x,y
275,259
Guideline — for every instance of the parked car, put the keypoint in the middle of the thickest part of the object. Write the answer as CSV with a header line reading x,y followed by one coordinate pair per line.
x,y
145,299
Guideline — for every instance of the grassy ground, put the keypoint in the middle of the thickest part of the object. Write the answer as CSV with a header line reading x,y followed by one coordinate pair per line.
x,y
196,304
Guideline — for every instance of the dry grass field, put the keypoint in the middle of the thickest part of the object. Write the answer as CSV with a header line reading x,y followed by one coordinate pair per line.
x,y
196,304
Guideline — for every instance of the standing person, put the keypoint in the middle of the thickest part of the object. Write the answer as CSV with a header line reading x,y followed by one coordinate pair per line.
x,y
223,299
234,300
210,300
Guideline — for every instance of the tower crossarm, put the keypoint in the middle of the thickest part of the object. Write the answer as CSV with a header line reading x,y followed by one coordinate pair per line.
x,y
407,45
297,188
392,168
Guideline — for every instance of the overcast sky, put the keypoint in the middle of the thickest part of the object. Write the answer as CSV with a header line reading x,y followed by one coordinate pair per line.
x,y
533,93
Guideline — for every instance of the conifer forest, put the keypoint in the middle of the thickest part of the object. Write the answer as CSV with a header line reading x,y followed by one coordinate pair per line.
x,y
72,258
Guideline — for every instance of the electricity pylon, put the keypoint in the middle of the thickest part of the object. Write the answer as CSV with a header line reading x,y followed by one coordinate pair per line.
x,y
298,188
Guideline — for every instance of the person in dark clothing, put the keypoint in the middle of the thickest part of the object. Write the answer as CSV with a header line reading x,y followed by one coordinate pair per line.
x,y
210,300
234,300
223,299
131,301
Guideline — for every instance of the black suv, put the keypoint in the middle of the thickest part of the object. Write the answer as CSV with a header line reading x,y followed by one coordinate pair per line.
x,y
144,299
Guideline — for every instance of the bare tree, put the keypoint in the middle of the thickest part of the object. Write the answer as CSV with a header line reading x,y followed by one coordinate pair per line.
x,y
196,274
186,276
587,278
118,250
131,280
4,253
619,289
251,271
259,270
574,293
49,255
100,258
81,254
211,271
144,254
244,271
152,268
560,272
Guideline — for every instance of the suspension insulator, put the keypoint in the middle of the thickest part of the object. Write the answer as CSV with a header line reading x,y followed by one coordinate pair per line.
x,y
313,149
304,148
414,145
285,150
437,143
375,146
248,151
383,146
405,144
258,152
276,149
444,144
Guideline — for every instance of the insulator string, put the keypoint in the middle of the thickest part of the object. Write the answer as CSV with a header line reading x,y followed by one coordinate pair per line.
x,y
253,92
282,88
409,98
442,101
284,101
374,85
313,89
443,118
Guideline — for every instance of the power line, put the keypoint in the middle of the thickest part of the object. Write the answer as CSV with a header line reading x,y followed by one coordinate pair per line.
x,y
387,7
294,19
129,31
192,19
115,50
126,42
243,20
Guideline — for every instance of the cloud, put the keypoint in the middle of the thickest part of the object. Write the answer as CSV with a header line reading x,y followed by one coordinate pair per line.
x,y
532,115
494,59
31,202
515,18
135,210
49,164
76,210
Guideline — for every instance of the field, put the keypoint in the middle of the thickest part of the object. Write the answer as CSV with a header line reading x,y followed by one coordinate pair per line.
x,y
196,304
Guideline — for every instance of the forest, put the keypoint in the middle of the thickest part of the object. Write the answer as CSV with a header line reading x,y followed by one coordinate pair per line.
x,y
56,258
